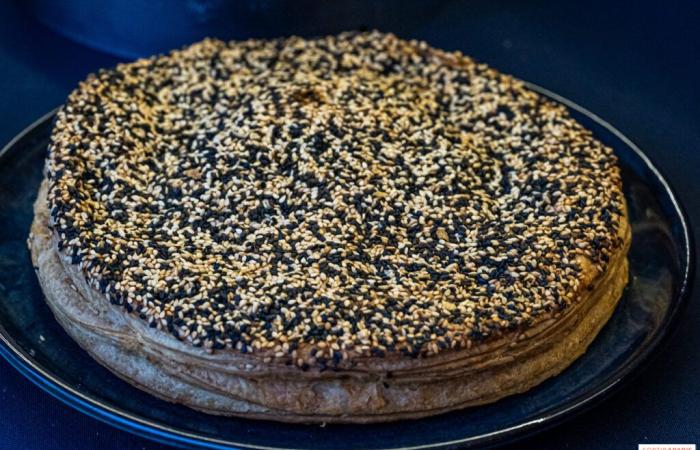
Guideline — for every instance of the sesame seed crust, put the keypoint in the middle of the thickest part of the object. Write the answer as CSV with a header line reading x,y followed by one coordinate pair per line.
x,y
350,195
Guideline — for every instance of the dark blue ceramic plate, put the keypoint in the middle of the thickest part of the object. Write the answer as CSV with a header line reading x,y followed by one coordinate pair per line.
x,y
661,261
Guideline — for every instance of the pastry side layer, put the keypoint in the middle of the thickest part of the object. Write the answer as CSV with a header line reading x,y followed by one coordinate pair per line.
x,y
244,385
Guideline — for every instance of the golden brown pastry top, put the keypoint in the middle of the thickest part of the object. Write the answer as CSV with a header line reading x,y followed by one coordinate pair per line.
x,y
354,194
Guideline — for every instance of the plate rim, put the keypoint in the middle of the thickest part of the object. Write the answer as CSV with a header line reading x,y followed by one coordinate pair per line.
x,y
96,408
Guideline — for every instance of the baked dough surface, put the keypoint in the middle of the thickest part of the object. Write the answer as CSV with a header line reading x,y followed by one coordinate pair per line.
x,y
354,228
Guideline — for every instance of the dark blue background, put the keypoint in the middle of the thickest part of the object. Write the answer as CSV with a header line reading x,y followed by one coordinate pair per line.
x,y
635,64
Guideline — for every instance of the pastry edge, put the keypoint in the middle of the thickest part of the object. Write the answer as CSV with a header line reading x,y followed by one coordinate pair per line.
x,y
122,346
